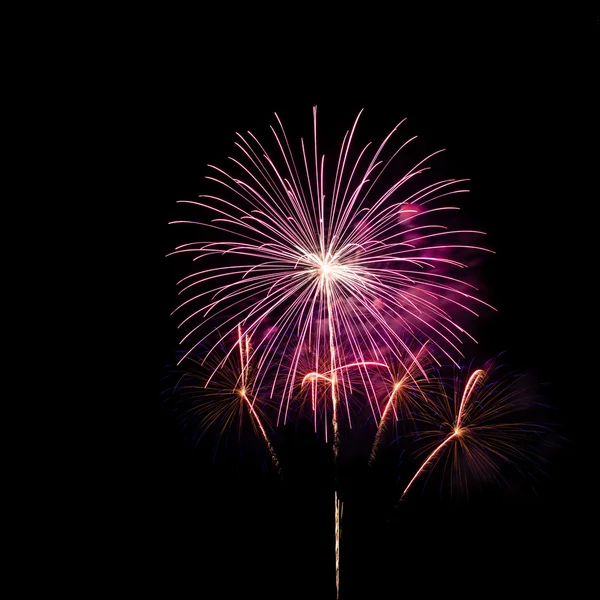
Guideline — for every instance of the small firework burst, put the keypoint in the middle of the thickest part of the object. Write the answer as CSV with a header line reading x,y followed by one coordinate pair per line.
x,y
475,430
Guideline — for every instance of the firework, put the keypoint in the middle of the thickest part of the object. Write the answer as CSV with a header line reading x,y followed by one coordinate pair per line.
x,y
334,278
353,277
406,388
221,398
474,433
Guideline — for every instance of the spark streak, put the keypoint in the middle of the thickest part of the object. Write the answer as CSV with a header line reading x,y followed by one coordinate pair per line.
x,y
338,536
316,375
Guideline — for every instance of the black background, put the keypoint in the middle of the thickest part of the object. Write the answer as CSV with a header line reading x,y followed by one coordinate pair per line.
x,y
510,98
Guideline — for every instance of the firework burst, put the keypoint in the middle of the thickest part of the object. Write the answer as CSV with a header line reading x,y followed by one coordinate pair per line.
x,y
354,276
473,431
406,386
221,398
342,278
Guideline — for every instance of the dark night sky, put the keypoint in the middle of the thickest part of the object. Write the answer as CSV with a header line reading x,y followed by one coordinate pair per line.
x,y
511,105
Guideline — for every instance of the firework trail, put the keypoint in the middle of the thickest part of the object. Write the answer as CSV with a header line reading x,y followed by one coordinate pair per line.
x,y
338,537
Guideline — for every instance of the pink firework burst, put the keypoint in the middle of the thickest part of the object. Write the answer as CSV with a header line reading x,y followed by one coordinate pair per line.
x,y
350,272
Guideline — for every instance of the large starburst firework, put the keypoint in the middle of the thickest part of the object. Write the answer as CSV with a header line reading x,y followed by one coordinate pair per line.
x,y
350,274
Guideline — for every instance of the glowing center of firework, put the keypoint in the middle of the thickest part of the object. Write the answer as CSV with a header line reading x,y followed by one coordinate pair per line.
x,y
327,269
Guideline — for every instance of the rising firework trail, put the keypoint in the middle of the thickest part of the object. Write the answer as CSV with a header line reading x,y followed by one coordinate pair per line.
x,y
338,537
